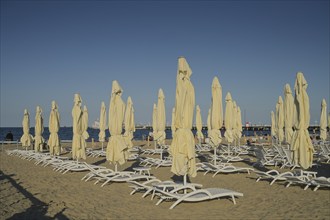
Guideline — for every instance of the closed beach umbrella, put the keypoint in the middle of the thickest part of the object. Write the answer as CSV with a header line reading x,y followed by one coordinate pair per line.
x,y
173,123
129,123
85,125
161,119
54,126
103,123
239,124
323,121
208,123
78,147
235,129
229,134
26,138
273,124
199,124
182,148
38,129
280,119
288,113
116,146
216,114
301,144
154,120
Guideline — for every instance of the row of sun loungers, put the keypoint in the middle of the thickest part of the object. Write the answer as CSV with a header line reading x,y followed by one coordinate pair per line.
x,y
222,168
281,155
297,177
165,190
169,190
157,162
323,151
189,192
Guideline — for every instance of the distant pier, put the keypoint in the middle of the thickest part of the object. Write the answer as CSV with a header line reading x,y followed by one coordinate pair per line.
x,y
245,128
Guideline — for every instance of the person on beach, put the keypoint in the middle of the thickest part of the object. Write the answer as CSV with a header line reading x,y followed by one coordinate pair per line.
x,y
9,136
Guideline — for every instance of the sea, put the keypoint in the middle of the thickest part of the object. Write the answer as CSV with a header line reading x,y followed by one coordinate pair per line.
x,y
65,133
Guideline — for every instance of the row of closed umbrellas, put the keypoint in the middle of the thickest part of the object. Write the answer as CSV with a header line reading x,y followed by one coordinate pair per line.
x,y
182,147
291,120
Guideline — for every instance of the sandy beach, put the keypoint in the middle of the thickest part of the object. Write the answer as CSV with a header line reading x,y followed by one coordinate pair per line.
x,y
29,191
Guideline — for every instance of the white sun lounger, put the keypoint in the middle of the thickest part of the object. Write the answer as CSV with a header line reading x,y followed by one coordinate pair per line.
x,y
144,186
75,166
320,182
197,195
169,186
299,180
96,153
122,177
149,162
223,168
48,159
95,173
273,175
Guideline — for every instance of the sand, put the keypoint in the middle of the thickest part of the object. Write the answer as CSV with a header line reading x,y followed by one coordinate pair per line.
x,y
30,191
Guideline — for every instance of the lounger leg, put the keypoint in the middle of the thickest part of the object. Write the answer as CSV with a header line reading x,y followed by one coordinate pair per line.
x,y
86,177
65,171
216,173
146,193
233,198
105,183
153,194
89,178
160,200
175,204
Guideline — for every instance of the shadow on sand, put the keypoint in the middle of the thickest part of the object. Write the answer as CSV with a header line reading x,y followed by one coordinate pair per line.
x,y
38,208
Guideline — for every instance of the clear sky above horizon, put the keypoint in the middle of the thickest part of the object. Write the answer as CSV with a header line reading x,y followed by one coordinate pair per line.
x,y
53,49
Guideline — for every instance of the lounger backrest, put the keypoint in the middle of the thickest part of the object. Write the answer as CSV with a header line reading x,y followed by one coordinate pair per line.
x,y
288,155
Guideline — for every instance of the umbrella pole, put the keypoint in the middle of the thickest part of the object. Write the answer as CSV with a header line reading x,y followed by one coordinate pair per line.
x,y
116,167
161,152
185,182
102,145
215,156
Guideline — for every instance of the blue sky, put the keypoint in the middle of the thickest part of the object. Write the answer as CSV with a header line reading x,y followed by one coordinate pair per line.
x,y
53,49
